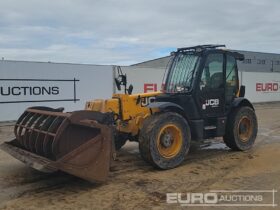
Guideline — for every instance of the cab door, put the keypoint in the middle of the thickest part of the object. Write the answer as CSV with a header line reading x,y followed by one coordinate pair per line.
x,y
231,84
211,93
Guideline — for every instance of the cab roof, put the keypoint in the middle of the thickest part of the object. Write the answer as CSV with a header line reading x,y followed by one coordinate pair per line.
x,y
210,47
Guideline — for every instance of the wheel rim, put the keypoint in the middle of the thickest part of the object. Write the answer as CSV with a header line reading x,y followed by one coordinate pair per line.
x,y
245,128
169,141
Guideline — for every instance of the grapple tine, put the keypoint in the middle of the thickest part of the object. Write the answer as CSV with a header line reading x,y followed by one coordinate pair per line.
x,y
42,132
34,132
20,119
47,142
22,127
29,129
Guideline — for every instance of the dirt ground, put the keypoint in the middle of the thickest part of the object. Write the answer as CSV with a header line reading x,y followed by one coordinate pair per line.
x,y
135,185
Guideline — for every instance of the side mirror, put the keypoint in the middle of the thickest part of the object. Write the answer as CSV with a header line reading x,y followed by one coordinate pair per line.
x,y
130,89
118,84
242,91
121,80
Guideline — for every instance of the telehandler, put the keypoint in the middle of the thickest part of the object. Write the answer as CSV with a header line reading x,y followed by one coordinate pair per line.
x,y
201,98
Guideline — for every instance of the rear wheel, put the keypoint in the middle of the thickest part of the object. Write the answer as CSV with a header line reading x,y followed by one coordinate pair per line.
x,y
242,128
164,140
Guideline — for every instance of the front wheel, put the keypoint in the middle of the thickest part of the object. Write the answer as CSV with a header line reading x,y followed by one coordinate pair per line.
x,y
164,140
120,141
241,130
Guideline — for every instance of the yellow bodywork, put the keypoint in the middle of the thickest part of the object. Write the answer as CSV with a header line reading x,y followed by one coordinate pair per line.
x,y
129,110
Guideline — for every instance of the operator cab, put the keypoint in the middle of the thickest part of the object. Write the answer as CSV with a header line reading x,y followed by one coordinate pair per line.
x,y
203,82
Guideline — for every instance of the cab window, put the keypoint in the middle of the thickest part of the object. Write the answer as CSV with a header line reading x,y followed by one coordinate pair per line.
x,y
212,74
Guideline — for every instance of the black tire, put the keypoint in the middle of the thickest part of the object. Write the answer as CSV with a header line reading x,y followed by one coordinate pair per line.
x,y
241,135
151,137
120,140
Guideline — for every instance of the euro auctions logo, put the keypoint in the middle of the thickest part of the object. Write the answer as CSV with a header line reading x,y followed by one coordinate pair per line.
x,y
192,198
31,90
268,87
246,198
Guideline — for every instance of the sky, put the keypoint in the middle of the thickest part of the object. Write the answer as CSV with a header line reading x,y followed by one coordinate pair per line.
x,y
124,32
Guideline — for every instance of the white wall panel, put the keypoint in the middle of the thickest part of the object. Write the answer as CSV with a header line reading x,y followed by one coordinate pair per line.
x,y
261,87
144,79
24,84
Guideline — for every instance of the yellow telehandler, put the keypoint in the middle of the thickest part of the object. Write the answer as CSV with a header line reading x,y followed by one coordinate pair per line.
x,y
201,98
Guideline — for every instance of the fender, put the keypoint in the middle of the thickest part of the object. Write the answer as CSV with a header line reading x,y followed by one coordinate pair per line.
x,y
238,102
195,125
168,106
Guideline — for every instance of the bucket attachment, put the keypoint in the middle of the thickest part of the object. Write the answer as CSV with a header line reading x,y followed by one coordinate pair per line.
x,y
79,143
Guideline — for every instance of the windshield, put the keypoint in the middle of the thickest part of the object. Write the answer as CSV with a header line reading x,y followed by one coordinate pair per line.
x,y
180,76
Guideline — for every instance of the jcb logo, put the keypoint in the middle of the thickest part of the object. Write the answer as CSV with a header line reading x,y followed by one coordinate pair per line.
x,y
147,100
211,102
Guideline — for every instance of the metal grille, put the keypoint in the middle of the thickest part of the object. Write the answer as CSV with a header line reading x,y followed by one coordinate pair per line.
x,y
36,129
